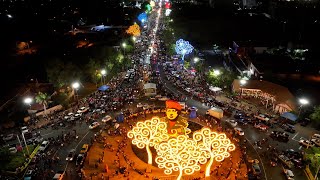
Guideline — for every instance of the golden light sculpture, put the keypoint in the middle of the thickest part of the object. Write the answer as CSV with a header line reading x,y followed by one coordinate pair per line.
x,y
149,133
180,154
152,4
134,30
215,146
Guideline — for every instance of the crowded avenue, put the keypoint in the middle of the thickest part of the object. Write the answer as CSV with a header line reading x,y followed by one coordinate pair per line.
x,y
90,140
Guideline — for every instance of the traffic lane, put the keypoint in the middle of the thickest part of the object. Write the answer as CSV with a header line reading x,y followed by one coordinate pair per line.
x,y
253,135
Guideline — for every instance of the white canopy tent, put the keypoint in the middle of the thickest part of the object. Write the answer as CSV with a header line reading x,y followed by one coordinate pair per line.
x,y
150,89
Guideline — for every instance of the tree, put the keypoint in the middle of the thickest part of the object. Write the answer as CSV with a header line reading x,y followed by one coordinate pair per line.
x,y
215,146
315,116
43,98
92,69
62,74
313,156
180,154
149,134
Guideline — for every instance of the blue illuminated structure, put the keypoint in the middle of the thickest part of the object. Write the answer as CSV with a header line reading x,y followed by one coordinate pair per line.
x,y
142,17
183,47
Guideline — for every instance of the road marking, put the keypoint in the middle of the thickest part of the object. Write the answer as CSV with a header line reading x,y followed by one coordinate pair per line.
x,y
265,175
47,134
82,139
294,136
76,148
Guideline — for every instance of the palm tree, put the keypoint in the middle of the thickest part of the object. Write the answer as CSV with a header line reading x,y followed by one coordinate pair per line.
x,y
42,98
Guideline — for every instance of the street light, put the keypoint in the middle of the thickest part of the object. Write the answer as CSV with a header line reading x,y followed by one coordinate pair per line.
x,y
28,100
124,45
195,59
243,82
216,72
76,86
103,73
302,102
134,39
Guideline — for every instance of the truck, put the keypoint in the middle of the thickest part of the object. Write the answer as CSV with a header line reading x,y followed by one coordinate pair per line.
x,y
215,112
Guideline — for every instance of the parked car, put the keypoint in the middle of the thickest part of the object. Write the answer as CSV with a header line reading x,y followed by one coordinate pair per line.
x,y
94,125
256,169
289,128
106,118
9,137
24,129
261,126
279,136
233,123
289,174
315,136
83,110
44,145
71,155
80,160
316,142
239,131
84,149
13,150
306,143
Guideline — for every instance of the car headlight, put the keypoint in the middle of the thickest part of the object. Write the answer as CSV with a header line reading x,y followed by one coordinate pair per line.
x,y
67,159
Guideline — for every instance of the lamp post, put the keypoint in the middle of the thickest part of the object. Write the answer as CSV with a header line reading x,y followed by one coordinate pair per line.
x,y
302,102
28,101
75,87
103,73
124,45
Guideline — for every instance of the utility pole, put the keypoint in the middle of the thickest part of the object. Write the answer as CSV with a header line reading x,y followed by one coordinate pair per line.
x,y
21,146
25,143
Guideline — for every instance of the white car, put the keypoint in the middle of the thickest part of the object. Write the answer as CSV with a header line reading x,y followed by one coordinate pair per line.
x,y
44,145
71,155
94,125
139,105
83,110
233,123
106,118
9,137
289,174
306,143
13,150
24,129
239,131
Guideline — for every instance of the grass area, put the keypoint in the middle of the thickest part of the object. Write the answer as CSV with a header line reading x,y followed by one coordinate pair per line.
x,y
13,161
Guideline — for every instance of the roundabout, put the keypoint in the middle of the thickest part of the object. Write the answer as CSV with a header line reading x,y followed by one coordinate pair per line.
x,y
183,156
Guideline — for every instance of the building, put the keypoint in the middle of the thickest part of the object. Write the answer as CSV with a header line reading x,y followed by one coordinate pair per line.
x,y
273,96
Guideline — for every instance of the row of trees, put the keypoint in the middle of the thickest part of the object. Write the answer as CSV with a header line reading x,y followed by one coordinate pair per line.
x,y
61,74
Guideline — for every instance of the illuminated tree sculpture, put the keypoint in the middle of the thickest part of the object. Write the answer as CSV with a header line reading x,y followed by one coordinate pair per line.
x,y
142,17
134,30
216,146
180,154
149,134
183,47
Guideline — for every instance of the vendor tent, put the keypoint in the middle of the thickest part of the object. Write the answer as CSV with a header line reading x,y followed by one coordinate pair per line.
x,y
290,116
103,88
150,89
